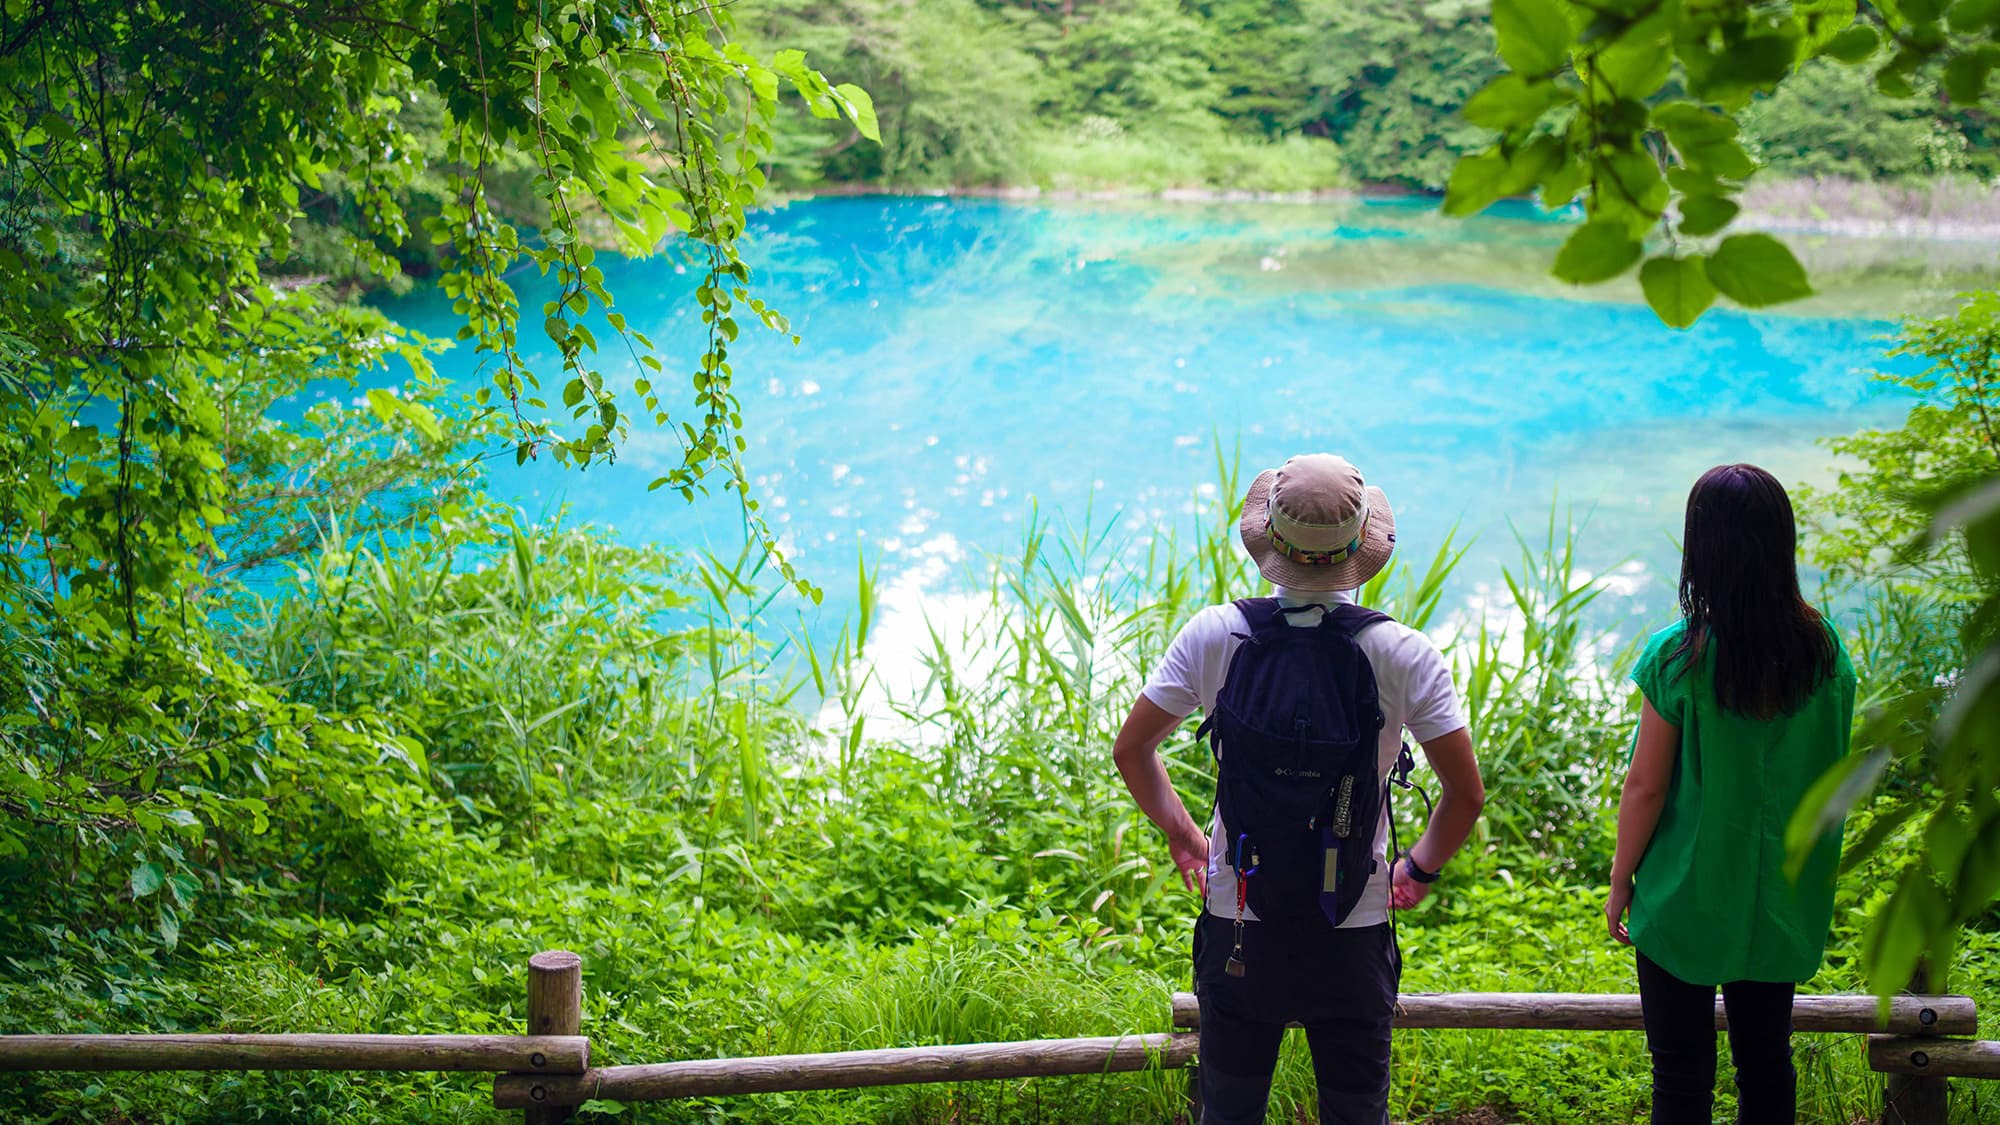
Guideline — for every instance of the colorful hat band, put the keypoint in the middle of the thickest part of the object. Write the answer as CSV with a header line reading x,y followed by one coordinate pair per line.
x,y
1315,558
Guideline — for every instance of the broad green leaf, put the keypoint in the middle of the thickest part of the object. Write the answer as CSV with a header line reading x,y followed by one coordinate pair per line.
x,y
1894,82
1853,45
1965,75
1971,16
1475,183
1677,288
1706,214
1561,182
1705,140
1827,802
422,418
763,83
1946,839
1634,69
1688,124
1636,193
791,63
1900,932
1977,884
1743,66
861,108
1511,101
1534,35
1598,251
1756,270
146,879
1529,163
383,404
1723,158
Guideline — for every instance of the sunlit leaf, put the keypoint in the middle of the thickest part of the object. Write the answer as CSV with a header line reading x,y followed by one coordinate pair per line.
x,y
1756,270
1534,35
1597,251
1677,288
1706,214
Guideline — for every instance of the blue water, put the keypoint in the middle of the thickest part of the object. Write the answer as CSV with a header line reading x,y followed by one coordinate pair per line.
x,y
962,359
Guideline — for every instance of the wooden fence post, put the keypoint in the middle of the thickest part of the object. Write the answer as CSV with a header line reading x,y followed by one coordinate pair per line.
x,y
1916,1099
555,1007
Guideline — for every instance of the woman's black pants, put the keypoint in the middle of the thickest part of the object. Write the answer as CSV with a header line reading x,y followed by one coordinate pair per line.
x,y
1680,1032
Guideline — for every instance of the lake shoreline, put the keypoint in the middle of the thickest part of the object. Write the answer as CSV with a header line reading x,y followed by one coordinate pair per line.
x,y
1943,212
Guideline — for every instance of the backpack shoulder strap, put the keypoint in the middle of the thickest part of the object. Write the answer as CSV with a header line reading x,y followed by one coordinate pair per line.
x,y
1349,619
1260,613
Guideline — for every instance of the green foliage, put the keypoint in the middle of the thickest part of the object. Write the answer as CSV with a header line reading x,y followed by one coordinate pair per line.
x,y
955,92
138,759
748,873
1386,79
1055,92
1831,120
1099,156
1911,514
176,422
1638,112
1136,61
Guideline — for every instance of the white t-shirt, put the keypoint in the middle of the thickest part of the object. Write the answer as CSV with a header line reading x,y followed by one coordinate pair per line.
x,y
1411,679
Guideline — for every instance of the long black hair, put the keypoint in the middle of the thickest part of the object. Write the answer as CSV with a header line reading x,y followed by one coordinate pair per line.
x,y
1740,593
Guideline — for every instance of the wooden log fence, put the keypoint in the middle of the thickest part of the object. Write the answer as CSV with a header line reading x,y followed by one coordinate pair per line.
x,y
555,1007
548,1071
1939,1058
541,1054
1604,1011
892,1066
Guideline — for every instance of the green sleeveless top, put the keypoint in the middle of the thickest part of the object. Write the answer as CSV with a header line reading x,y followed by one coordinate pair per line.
x,y
1710,901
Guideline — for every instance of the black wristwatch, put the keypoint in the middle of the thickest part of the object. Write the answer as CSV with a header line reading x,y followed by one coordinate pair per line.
x,y
1418,873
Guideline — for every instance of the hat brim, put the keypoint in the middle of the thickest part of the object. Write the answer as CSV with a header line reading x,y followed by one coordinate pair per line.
x,y
1378,542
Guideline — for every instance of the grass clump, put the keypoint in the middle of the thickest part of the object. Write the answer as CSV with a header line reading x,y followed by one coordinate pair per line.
x,y
1101,156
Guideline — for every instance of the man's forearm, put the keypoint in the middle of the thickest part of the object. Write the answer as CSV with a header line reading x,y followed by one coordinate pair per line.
x,y
1450,825
1146,777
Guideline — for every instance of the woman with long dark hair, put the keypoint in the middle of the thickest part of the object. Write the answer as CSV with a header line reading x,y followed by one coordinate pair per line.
x,y
1748,699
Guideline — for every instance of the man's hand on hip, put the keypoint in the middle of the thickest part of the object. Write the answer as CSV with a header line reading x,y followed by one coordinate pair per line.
x,y
1189,846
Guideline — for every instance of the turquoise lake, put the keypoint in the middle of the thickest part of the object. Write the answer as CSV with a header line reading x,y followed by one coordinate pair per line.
x,y
963,360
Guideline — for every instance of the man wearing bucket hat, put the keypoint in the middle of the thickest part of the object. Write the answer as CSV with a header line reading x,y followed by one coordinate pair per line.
x,y
1325,955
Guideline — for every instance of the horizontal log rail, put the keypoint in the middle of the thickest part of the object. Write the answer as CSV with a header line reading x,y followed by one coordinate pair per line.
x,y
892,1066
1942,1058
543,1054
546,1073
1607,1011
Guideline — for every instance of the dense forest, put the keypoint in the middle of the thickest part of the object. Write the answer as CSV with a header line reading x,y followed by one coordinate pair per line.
x,y
1150,95
301,730
1247,94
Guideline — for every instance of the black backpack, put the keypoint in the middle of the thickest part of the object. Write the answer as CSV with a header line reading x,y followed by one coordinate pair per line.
x,y
1295,733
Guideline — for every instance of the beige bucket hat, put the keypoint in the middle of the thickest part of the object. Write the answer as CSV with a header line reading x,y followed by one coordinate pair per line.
x,y
1314,524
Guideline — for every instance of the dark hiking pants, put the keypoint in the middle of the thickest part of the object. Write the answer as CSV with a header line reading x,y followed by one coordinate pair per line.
x,y
1339,984
1680,1032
